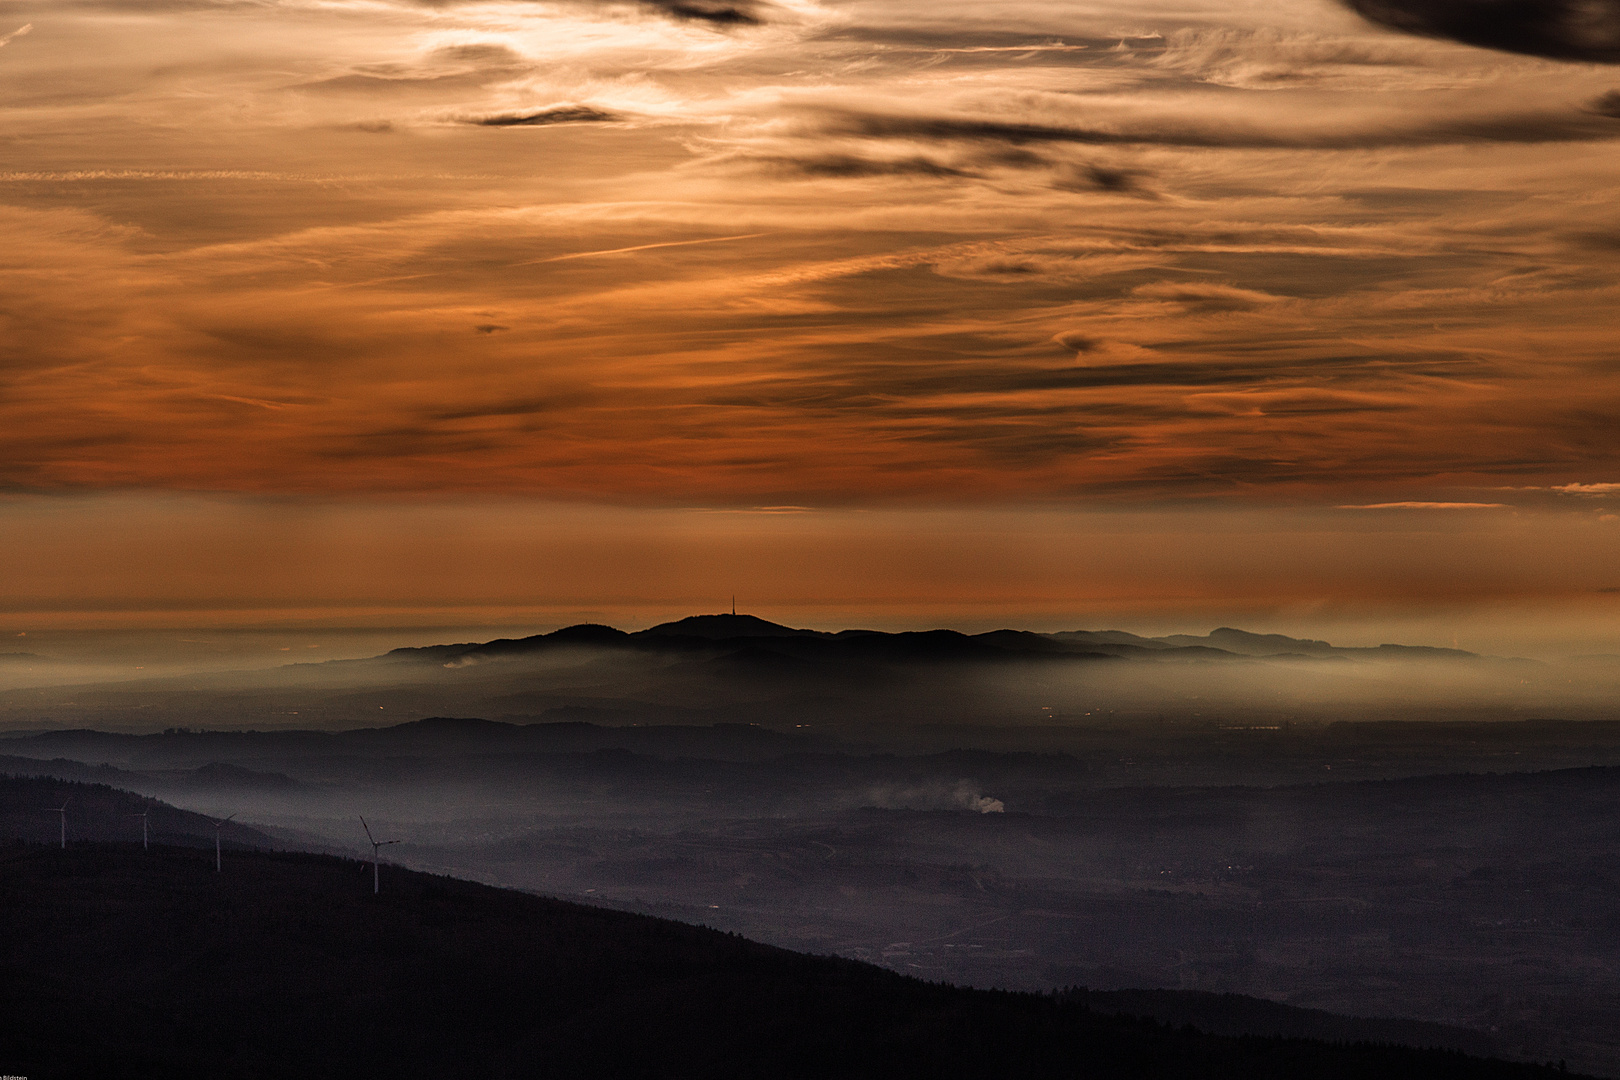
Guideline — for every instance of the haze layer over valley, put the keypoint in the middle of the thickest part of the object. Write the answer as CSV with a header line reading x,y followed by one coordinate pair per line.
x,y
1395,831
740,669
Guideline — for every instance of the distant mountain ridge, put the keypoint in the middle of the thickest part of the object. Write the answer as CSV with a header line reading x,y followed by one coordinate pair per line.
x,y
741,668
727,626
710,631
214,775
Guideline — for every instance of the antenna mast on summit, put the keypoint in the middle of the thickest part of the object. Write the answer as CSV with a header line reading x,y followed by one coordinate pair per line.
x,y
734,603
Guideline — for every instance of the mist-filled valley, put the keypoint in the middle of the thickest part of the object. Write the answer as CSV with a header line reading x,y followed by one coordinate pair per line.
x,y
1397,832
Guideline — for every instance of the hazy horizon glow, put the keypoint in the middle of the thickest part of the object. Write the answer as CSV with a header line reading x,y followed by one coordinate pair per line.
x,y
1480,579
515,310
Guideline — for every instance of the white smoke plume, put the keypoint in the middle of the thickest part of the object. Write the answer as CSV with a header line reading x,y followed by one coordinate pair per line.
x,y
964,795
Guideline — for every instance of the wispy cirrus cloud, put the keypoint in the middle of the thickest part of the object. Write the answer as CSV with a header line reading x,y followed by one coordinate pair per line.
x,y
1588,490
1411,505
794,253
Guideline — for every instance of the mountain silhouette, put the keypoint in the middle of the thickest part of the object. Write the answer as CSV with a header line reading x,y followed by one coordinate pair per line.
x,y
725,626
736,632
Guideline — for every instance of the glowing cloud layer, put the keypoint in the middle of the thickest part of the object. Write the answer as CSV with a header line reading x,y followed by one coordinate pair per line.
x,y
798,253
816,258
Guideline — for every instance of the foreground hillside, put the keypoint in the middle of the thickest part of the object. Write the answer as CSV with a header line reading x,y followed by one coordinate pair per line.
x,y
1485,903
124,963
97,812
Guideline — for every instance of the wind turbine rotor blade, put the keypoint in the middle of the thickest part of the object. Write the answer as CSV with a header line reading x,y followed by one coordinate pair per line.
x,y
366,827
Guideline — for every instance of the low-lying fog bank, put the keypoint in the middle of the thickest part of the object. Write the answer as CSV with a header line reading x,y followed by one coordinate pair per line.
x,y
712,669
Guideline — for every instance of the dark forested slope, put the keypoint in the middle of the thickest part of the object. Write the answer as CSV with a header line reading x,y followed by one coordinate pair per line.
x,y
97,812
123,963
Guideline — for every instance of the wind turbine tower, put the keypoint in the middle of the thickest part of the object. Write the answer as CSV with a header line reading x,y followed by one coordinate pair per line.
x,y
376,846
145,846
218,825
63,811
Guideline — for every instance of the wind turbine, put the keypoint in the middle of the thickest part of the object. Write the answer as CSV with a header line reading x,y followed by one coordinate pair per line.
x,y
142,815
376,846
218,825
63,811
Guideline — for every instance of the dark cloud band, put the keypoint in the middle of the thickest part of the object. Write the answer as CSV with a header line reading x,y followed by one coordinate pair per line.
x,y
562,114
717,14
1561,29
1593,123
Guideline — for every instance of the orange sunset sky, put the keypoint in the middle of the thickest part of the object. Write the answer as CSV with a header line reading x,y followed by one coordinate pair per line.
x,y
872,312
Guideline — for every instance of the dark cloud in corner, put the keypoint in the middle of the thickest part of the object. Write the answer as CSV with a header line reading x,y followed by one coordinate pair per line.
x,y
557,114
1586,30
